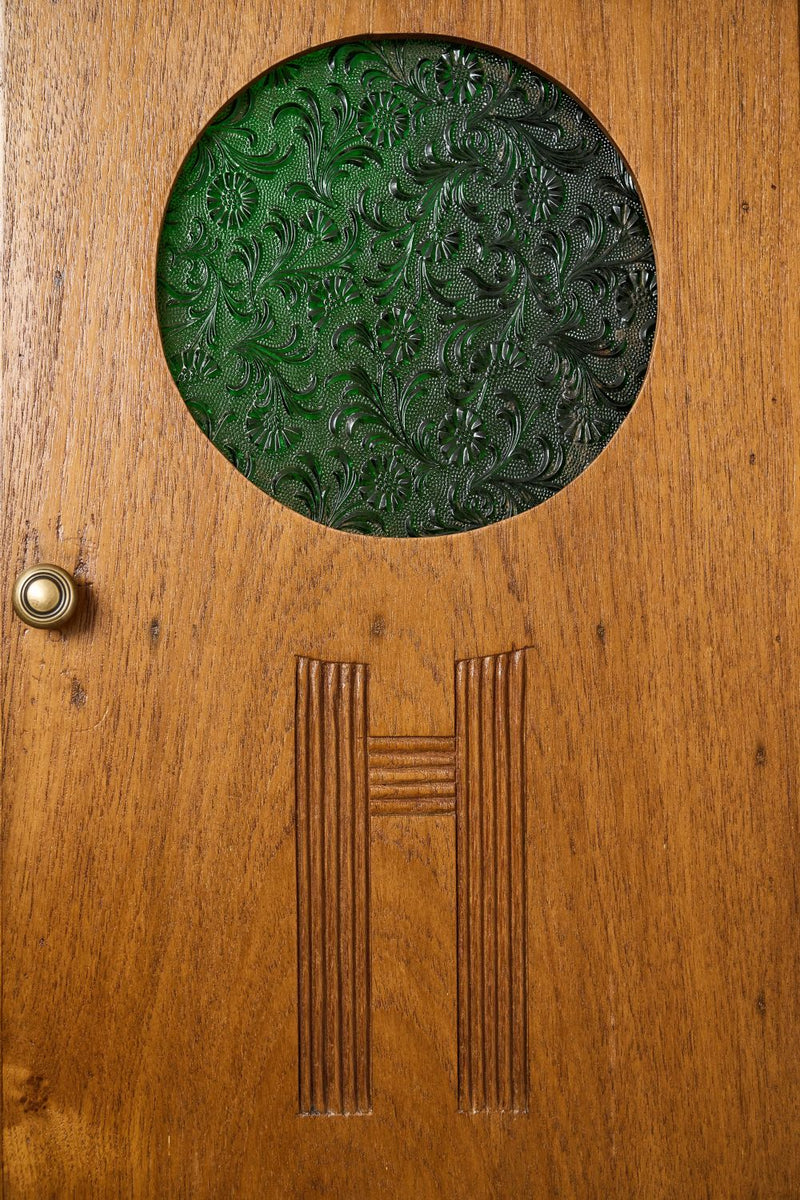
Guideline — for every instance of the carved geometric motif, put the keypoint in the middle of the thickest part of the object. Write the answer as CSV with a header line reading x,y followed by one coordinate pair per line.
x,y
344,778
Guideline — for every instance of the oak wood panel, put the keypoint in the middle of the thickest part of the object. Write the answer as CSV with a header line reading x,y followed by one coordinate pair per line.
x,y
150,986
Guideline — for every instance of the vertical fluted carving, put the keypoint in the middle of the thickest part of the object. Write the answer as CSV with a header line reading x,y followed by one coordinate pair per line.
x,y
490,853
332,829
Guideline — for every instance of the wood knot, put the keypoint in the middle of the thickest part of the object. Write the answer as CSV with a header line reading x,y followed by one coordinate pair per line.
x,y
35,1094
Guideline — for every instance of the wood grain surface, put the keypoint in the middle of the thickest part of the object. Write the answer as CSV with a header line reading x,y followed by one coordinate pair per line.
x,y
150,1003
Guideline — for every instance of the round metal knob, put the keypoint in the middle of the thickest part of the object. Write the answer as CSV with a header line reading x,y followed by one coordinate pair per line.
x,y
45,596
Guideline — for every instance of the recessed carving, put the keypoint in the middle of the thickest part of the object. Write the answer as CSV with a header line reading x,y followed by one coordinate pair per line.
x,y
493,1071
413,776
332,831
344,776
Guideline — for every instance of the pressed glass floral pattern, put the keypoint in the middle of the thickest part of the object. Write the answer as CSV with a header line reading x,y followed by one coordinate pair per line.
x,y
406,286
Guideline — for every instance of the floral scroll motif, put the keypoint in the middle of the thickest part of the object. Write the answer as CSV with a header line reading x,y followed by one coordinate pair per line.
x,y
406,286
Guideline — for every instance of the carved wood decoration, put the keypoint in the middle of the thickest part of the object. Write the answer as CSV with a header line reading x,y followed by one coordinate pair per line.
x,y
412,775
332,833
491,841
163,1016
344,777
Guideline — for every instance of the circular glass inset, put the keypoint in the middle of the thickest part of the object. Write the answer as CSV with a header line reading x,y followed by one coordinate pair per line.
x,y
406,285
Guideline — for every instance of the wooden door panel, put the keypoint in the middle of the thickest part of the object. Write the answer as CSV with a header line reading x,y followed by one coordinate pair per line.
x,y
156,1025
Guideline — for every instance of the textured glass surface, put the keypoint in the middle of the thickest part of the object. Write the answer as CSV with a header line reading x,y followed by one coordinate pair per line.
x,y
406,286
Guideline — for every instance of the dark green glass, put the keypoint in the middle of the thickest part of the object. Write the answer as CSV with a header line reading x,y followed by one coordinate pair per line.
x,y
407,286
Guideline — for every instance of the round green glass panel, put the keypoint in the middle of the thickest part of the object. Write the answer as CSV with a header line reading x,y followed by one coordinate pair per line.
x,y
407,286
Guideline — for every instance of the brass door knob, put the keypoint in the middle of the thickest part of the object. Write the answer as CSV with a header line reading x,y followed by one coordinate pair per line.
x,y
45,596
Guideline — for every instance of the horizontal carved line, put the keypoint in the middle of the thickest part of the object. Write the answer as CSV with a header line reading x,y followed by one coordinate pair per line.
x,y
421,790
411,745
413,806
411,774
